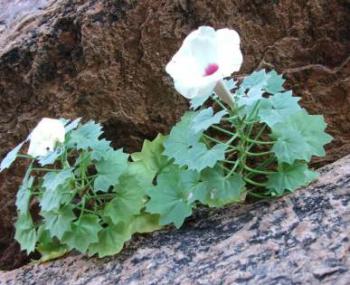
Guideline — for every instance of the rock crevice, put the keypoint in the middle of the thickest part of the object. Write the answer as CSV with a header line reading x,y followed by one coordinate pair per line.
x,y
105,60
302,238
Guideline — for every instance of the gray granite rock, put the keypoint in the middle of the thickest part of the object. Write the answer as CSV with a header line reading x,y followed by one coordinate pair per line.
x,y
302,238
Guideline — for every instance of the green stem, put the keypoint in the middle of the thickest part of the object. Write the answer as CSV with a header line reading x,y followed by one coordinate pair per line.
x,y
246,179
259,142
258,171
108,196
82,209
46,169
258,153
220,104
256,195
263,165
24,156
212,139
223,130
233,169
229,161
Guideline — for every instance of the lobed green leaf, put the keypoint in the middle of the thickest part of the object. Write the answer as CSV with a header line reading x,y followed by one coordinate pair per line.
x,y
171,198
216,190
84,232
109,169
290,177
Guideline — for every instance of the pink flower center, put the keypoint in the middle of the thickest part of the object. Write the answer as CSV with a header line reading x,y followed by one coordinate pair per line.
x,y
211,69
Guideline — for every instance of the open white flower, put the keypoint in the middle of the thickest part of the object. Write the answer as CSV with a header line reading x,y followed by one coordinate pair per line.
x,y
205,57
45,136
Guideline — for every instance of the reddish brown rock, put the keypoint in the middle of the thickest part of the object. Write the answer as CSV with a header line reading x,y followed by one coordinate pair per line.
x,y
302,238
105,60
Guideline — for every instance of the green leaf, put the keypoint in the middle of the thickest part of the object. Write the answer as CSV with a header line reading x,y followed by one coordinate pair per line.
x,y
216,190
71,125
145,223
256,79
271,82
128,201
109,169
184,147
277,108
10,157
49,248
57,189
206,118
253,96
171,197
312,127
290,177
290,144
24,194
203,157
100,149
139,170
230,84
59,221
181,136
299,137
26,233
110,240
53,179
84,232
85,136
151,156
54,198
82,163
274,83
51,157
196,102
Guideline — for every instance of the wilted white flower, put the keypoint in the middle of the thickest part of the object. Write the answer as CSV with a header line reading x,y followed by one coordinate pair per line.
x,y
205,57
45,136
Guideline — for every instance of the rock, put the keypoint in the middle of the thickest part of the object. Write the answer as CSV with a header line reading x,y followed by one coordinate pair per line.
x,y
105,60
302,238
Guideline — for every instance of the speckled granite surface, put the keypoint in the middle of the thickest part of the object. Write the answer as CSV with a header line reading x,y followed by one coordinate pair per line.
x,y
300,239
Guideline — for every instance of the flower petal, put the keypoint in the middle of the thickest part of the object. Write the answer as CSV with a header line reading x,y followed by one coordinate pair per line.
x,y
230,57
203,47
44,137
201,87
192,67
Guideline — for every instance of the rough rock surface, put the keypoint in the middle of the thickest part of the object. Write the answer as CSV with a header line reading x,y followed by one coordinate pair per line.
x,y
105,60
300,239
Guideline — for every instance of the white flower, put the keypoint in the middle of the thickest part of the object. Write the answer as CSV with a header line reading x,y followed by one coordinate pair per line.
x,y
44,137
205,57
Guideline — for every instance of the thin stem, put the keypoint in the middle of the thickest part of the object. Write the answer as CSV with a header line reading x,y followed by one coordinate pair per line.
x,y
212,139
257,170
261,166
24,156
229,161
82,209
233,169
259,142
246,179
46,169
257,195
258,153
220,104
231,149
224,167
223,130
106,196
